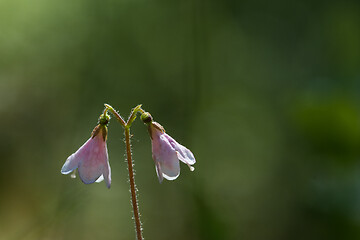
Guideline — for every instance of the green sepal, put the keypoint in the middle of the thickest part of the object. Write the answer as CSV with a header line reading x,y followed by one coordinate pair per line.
x,y
100,128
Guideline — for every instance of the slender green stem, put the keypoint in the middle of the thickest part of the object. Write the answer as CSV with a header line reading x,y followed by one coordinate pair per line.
x,y
115,113
105,110
141,110
132,184
133,115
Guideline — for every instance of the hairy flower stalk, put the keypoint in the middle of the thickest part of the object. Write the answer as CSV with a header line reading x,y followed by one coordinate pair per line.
x,y
132,185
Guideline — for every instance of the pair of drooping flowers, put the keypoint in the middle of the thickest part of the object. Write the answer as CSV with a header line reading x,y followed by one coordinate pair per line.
x,y
92,160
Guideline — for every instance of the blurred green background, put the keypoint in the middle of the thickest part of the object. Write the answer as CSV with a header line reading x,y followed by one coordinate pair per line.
x,y
265,93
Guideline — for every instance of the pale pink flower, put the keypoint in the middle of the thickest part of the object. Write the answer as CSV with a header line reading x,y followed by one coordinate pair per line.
x,y
166,153
91,159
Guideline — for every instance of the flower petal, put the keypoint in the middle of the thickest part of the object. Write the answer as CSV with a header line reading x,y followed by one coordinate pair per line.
x,y
70,164
184,154
165,157
159,172
107,174
170,167
94,160
89,174
74,160
180,157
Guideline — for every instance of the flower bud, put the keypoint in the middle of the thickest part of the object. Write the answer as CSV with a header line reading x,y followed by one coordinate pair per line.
x,y
146,117
104,119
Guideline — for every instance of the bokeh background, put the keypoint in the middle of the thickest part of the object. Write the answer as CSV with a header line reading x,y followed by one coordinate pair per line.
x,y
265,93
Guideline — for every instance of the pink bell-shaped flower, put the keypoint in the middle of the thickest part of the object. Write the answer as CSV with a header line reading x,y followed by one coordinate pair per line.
x,y
91,159
166,152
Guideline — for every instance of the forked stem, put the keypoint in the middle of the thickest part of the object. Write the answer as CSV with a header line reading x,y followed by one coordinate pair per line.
x,y
126,126
115,113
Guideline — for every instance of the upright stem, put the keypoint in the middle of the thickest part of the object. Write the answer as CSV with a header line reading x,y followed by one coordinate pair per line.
x,y
132,184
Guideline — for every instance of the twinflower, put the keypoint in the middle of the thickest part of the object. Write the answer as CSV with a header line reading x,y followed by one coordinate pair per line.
x,y
166,152
91,159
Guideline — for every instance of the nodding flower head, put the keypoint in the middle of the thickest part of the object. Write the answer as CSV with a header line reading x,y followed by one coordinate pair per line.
x,y
166,152
91,159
